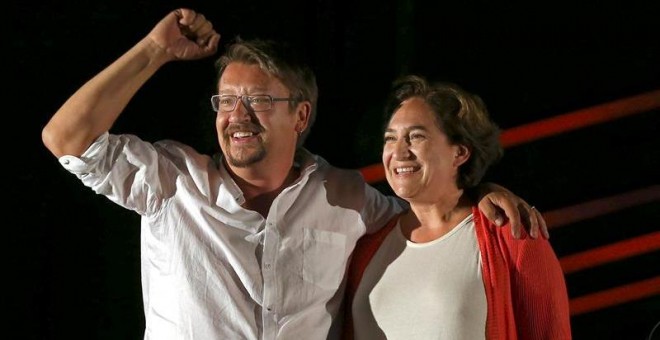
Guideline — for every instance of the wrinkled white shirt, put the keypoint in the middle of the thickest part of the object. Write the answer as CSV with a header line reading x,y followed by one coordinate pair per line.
x,y
214,270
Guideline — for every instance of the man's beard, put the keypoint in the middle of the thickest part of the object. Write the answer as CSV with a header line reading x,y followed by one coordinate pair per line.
x,y
246,155
244,158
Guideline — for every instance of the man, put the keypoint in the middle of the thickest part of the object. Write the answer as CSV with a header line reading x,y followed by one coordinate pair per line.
x,y
254,245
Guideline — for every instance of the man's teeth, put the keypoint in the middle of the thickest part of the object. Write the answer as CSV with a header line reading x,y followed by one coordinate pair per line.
x,y
404,170
242,134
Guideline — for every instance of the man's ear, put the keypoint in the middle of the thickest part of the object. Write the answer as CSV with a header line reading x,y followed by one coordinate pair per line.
x,y
303,113
461,154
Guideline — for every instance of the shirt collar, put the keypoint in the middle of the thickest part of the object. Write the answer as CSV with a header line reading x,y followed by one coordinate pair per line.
x,y
303,160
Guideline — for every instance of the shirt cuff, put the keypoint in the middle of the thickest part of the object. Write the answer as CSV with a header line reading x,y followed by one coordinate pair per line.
x,y
83,164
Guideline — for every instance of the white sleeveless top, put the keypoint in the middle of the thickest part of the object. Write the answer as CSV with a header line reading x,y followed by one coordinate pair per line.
x,y
430,290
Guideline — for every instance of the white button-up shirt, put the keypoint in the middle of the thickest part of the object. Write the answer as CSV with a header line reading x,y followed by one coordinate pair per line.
x,y
214,270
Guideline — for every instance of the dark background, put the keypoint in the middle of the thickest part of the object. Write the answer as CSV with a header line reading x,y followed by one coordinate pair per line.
x,y
74,257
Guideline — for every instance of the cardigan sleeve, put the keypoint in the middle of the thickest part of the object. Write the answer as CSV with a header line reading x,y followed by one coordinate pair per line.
x,y
538,287
364,250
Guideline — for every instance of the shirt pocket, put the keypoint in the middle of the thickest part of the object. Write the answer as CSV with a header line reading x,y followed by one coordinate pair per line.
x,y
324,258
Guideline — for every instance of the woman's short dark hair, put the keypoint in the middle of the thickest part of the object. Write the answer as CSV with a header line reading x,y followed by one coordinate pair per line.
x,y
461,115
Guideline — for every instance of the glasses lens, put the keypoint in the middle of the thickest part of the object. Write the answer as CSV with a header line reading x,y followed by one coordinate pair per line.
x,y
223,102
260,103
227,103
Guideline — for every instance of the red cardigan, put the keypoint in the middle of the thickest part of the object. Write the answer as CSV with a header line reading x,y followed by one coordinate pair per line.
x,y
525,287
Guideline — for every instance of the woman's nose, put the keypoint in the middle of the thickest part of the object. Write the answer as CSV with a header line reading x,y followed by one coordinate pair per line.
x,y
401,149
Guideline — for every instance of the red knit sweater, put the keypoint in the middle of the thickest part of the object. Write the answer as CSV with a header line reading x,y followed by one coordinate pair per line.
x,y
525,287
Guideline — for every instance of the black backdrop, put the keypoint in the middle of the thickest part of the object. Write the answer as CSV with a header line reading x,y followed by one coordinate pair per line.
x,y
74,257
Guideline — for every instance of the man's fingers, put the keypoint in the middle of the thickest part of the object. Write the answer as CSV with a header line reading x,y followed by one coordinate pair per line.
x,y
198,22
533,222
185,16
204,33
543,226
514,220
491,212
512,214
212,41
494,205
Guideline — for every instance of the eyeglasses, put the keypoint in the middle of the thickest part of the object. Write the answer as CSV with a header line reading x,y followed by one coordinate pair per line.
x,y
261,102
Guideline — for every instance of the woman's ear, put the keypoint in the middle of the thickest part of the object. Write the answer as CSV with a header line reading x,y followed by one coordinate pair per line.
x,y
461,154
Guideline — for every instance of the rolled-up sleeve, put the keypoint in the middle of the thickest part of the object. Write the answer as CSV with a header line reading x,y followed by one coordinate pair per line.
x,y
123,168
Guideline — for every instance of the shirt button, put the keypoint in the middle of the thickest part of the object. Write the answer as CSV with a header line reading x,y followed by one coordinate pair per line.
x,y
66,162
269,308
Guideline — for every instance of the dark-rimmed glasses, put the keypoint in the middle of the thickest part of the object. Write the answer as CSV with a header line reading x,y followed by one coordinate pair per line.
x,y
256,103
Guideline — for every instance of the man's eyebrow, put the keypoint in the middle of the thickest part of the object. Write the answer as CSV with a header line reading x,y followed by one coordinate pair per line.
x,y
409,128
250,90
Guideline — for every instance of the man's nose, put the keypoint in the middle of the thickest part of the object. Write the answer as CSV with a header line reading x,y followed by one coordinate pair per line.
x,y
241,111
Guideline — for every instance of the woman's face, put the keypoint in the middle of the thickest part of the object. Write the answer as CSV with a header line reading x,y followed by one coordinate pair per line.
x,y
420,163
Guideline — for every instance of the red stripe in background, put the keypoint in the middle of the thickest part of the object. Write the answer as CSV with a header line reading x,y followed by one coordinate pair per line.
x,y
552,126
610,253
578,119
598,207
615,296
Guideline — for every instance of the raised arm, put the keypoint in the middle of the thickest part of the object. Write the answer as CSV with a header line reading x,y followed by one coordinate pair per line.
x,y
92,110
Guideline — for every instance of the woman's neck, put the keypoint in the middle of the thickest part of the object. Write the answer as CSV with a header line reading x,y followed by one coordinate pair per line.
x,y
425,222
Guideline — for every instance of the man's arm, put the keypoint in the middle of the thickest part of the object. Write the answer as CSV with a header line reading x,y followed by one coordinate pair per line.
x,y
499,205
92,110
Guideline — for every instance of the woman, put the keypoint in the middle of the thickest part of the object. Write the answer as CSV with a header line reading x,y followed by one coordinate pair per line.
x,y
441,270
